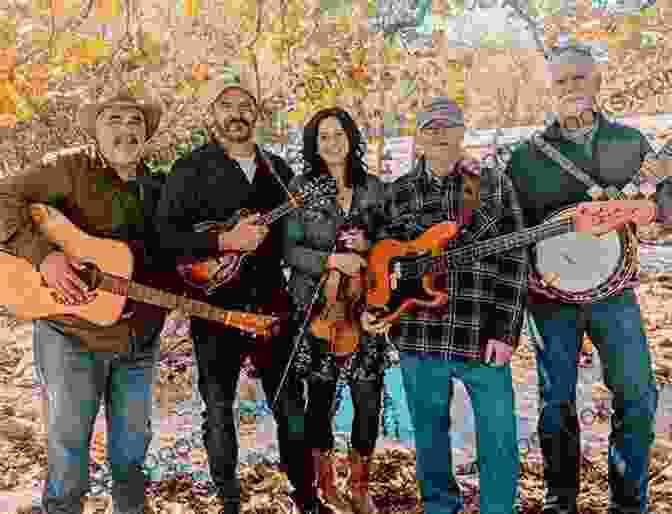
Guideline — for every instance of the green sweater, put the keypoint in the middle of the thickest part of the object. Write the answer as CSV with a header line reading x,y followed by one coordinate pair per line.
x,y
544,187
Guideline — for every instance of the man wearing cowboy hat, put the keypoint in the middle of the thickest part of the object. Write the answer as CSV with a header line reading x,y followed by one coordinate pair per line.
x,y
77,361
229,173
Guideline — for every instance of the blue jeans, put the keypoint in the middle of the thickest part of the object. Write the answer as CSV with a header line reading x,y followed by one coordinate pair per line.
x,y
429,391
75,383
615,327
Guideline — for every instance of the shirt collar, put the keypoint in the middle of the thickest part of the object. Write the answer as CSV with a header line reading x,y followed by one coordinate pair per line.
x,y
553,131
430,175
467,167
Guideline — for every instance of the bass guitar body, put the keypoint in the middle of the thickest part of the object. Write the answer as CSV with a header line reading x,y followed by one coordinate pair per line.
x,y
388,294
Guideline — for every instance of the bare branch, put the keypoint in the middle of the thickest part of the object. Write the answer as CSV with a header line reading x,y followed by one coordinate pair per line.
x,y
527,19
257,30
70,26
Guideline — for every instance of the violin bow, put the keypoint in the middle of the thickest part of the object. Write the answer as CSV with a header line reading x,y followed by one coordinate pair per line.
x,y
302,332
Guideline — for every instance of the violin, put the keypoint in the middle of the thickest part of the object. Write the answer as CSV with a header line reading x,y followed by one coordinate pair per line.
x,y
337,320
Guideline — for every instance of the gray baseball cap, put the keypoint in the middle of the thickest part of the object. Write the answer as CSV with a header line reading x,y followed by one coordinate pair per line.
x,y
441,109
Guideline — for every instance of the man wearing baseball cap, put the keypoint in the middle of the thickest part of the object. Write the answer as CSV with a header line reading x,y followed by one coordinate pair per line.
x,y
106,190
473,336
230,173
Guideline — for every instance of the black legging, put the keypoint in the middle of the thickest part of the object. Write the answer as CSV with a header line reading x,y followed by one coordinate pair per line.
x,y
366,398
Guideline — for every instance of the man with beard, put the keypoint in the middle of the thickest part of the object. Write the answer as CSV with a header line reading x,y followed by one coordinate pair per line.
x,y
611,154
473,336
107,192
230,173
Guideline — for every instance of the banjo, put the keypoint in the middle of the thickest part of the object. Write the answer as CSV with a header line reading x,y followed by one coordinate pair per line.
x,y
588,270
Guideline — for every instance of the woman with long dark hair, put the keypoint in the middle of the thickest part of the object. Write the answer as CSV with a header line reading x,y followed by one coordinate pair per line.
x,y
333,236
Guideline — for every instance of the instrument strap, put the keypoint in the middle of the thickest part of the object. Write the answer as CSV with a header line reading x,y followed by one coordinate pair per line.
x,y
595,191
271,168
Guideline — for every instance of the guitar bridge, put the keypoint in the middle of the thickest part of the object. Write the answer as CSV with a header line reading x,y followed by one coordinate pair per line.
x,y
62,300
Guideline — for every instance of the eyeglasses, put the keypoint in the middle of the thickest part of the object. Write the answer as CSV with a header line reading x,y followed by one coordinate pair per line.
x,y
580,48
436,131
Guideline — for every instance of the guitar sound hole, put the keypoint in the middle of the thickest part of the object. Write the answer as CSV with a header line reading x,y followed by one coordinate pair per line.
x,y
90,275
58,298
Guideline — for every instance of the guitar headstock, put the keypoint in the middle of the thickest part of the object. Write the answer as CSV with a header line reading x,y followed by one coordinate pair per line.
x,y
613,214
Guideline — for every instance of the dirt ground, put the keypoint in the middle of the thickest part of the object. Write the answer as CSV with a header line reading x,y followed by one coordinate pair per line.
x,y
22,439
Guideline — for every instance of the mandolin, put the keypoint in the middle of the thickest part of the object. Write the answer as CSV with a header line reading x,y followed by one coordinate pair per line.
x,y
208,275
390,294
108,268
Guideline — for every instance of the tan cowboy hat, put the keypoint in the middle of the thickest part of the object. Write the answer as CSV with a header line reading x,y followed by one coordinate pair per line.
x,y
151,107
215,87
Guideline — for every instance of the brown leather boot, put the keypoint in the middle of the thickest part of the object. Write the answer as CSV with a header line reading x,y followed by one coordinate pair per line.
x,y
360,467
327,480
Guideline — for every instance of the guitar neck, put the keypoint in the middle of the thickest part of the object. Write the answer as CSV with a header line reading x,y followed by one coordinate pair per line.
x,y
501,244
150,295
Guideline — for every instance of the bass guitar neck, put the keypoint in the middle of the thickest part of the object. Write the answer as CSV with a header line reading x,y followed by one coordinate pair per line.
x,y
390,294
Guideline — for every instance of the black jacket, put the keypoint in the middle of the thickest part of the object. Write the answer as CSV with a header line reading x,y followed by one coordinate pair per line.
x,y
208,185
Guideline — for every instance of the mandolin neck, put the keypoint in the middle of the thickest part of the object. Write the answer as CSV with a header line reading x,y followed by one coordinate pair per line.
x,y
500,244
280,211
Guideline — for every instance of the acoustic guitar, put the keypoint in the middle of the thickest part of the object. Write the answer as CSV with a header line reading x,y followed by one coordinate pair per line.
x,y
108,271
208,275
390,294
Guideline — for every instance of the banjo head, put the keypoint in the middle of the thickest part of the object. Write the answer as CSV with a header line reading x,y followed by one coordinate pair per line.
x,y
582,262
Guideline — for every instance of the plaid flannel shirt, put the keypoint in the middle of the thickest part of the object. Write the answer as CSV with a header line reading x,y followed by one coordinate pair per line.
x,y
487,297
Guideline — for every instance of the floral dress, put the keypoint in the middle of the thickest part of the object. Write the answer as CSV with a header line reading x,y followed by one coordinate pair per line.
x,y
310,236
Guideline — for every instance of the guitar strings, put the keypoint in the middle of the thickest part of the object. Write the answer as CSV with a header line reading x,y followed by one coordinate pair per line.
x,y
499,243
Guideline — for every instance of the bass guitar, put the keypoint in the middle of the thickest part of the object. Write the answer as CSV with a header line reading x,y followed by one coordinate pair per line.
x,y
208,275
108,268
390,294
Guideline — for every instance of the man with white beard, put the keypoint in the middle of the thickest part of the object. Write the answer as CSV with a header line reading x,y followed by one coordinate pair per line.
x,y
611,154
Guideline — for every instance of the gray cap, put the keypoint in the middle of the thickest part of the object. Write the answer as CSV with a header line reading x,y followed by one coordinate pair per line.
x,y
442,109
575,54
